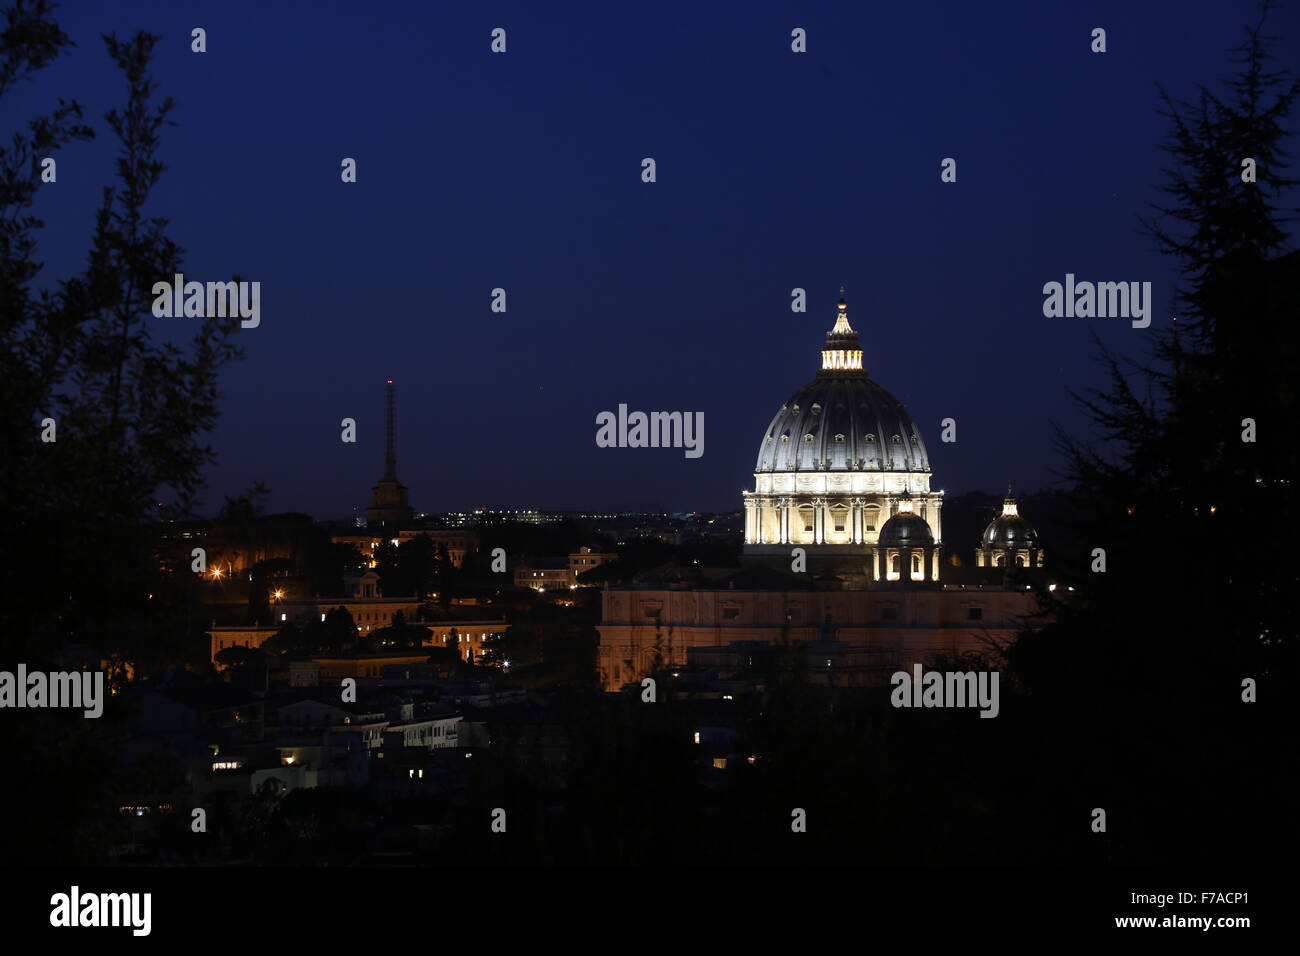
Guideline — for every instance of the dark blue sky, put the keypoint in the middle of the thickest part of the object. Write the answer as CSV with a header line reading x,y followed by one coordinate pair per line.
x,y
522,170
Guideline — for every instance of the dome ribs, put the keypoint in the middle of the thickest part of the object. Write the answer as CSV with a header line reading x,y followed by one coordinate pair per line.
x,y
855,407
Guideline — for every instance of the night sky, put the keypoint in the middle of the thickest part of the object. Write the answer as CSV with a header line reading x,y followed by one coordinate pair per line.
x,y
523,171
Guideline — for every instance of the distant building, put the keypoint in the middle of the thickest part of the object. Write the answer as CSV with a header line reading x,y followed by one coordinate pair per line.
x,y
527,576
586,559
370,611
642,630
390,507
458,541
251,636
581,561
364,600
470,638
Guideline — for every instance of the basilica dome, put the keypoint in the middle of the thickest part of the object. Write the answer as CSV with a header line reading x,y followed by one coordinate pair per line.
x,y
842,420
842,469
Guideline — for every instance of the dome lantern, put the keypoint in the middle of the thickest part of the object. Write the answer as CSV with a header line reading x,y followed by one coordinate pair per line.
x,y
842,352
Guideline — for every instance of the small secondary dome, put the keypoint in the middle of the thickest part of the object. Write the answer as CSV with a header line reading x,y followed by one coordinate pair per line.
x,y
907,528
1009,530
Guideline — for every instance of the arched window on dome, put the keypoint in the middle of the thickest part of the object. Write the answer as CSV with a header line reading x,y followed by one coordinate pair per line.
x,y
1020,560
839,438
893,564
1000,561
897,440
916,564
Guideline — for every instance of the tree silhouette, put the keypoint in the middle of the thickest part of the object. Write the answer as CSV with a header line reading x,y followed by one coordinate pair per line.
x,y
131,414
1141,675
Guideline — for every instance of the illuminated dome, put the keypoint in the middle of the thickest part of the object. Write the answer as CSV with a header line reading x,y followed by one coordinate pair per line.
x,y
842,420
1009,540
840,463
1009,530
907,530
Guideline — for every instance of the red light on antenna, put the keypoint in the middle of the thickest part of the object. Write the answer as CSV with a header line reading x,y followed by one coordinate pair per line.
x,y
390,381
